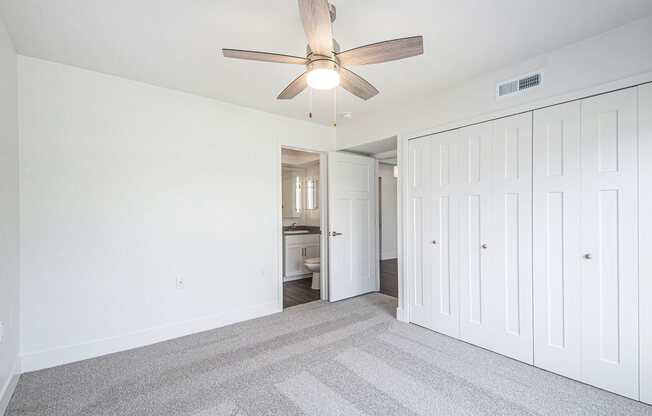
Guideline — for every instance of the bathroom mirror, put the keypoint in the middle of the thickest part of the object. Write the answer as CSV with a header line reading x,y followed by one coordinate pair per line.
x,y
311,194
291,189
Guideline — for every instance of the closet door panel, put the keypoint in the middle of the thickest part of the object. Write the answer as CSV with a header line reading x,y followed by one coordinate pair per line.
x,y
610,242
645,238
419,247
444,148
556,242
511,248
475,227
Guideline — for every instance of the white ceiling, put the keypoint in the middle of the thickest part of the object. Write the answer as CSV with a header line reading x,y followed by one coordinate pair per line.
x,y
176,43
378,146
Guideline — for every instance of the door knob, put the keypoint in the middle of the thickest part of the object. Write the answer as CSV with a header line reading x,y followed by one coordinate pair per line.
x,y
334,233
484,246
588,256
434,241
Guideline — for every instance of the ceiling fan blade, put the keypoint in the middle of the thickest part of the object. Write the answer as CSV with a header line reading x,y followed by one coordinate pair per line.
x,y
294,88
316,20
264,56
389,50
356,85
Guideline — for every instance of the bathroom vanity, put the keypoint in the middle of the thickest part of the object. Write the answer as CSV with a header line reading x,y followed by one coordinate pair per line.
x,y
298,248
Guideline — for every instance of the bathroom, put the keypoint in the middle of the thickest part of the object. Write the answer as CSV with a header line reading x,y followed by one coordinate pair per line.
x,y
301,207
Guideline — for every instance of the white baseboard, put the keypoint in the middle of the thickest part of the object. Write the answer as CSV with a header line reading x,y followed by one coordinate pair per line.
x,y
77,352
9,386
388,256
293,278
400,315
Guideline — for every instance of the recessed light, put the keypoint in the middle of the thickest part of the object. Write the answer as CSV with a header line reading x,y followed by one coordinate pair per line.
x,y
347,114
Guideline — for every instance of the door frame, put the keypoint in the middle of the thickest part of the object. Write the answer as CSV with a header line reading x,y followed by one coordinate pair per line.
x,y
377,222
323,220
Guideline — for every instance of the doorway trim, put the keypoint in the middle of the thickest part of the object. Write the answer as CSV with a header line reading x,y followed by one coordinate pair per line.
x,y
323,220
402,311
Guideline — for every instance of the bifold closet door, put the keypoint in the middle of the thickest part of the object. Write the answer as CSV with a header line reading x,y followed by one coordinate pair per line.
x,y
419,244
556,243
609,241
475,176
511,237
444,158
645,237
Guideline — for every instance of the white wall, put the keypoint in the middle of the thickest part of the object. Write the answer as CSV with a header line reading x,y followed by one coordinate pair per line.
x,y
388,210
9,219
124,187
611,56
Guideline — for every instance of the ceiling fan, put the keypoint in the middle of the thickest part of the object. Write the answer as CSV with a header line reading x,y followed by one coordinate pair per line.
x,y
325,64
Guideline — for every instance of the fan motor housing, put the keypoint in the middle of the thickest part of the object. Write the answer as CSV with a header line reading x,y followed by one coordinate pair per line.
x,y
324,64
336,49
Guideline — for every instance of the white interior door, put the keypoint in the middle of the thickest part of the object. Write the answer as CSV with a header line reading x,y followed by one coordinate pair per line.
x,y
443,235
645,236
556,246
475,229
419,243
511,248
610,242
352,225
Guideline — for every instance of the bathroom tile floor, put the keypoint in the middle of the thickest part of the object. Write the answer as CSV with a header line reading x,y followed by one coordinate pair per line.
x,y
298,292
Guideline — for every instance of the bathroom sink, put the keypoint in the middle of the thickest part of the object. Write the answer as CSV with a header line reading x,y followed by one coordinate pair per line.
x,y
296,232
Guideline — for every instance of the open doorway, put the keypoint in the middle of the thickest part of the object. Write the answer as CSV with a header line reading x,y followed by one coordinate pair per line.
x,y
388,221
301,222
385,152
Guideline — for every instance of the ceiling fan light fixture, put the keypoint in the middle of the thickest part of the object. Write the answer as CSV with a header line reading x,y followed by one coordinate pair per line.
x,y
323,75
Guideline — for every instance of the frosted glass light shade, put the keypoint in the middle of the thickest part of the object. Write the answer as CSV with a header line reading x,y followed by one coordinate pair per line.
x,y
323,78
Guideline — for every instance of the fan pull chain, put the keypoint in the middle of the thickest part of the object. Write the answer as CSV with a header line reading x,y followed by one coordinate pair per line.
x,y
334,107
310,90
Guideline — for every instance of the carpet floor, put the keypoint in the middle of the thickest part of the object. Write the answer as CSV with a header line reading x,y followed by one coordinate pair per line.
x,y
347,358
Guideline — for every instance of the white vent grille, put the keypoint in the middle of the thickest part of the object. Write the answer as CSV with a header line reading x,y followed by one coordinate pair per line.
x,y
517,85
507,88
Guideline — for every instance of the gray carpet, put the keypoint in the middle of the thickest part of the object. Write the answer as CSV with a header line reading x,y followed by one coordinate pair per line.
x,y
347,358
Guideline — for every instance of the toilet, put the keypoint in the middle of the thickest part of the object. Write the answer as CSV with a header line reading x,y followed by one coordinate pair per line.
x,y
312,264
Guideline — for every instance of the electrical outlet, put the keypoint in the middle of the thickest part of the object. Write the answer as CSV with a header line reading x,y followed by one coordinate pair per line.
x,y
180,283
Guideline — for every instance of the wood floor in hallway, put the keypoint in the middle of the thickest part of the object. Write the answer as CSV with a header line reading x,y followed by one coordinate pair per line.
x,y
389,277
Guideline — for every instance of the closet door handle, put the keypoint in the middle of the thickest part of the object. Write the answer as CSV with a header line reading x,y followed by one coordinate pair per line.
x,y
434,241
588,256
484,246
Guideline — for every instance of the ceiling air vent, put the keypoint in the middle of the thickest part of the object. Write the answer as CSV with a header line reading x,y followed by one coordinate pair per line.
x,y
515,86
